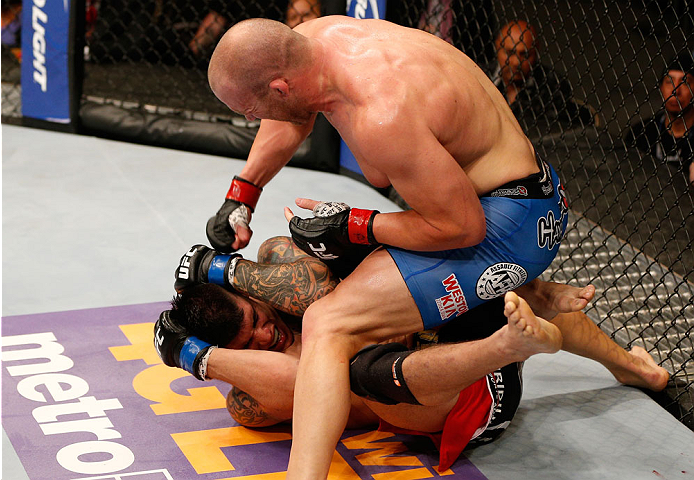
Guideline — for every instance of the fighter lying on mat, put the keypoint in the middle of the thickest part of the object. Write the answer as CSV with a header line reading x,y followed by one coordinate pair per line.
x,y
449,391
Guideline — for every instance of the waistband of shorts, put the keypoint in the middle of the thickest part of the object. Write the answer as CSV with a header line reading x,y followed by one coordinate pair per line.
x,y
536,185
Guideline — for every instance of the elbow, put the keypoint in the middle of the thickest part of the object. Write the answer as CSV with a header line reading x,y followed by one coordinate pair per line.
x,y
478,234
463,235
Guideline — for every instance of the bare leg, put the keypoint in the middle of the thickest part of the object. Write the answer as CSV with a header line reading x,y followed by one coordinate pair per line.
x,y
334,329
636,368
547,299
437,374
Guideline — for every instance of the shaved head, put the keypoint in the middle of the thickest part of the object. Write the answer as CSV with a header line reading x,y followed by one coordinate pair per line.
x,y
251,54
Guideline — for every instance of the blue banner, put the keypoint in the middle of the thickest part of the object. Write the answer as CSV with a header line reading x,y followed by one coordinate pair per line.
x,y
360,9
45,70
366,8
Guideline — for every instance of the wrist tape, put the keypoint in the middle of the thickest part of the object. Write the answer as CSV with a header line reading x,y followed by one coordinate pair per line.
x,y
189,352
360,226
221,270
244,191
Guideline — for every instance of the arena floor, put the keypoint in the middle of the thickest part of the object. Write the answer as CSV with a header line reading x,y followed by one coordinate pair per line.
x,y
92,230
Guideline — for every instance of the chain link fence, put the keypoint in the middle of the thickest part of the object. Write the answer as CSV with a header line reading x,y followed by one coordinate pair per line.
x,y
587,80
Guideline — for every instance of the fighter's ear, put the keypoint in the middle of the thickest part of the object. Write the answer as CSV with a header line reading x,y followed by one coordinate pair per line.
x,y
280,85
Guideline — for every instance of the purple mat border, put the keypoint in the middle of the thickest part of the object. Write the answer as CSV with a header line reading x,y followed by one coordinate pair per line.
x,y
86,336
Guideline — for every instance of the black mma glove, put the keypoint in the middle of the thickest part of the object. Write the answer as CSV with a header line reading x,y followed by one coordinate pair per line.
x,y
178,349
221,229
201,264
334,230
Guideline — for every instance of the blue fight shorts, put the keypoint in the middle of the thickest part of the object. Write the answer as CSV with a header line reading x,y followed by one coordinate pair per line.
x,y
526,220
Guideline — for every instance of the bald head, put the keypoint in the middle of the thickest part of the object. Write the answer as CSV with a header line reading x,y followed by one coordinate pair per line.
x,y
252,53
516,50
517,31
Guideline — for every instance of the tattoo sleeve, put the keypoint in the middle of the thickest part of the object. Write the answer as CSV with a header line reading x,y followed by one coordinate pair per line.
x,y
280,250
246,410
289,287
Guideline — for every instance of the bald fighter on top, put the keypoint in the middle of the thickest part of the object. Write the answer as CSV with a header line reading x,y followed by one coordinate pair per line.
x,y
486,214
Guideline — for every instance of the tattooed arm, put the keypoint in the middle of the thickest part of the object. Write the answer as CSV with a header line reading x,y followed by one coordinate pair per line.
x,y
280,250
263,383
248,412
287,279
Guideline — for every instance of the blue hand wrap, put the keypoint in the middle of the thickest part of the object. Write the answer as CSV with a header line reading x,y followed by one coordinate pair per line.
x,y
189,351
216,272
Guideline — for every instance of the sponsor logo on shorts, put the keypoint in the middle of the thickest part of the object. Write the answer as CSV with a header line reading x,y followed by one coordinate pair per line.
x,y
510,192
499,279
563,201
550,230
453,303
498,379
547,188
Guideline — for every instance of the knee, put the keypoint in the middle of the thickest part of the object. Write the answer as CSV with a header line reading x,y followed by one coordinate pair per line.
x,y
321,319
324,321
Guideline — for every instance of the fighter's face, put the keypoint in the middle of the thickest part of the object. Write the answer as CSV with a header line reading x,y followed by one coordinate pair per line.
x,y
677,89
273,105
261,329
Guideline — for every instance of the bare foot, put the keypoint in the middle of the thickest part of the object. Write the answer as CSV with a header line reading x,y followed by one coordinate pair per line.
x,y
528,334
566,299
547,299
644,372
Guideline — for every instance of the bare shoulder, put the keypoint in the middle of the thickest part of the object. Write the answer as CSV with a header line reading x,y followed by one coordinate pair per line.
x,y
323,25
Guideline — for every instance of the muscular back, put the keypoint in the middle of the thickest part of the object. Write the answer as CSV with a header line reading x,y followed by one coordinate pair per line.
x,y
427,88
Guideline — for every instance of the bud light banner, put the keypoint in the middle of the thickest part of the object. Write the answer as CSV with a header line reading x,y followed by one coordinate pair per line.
x,y
360,9
45,60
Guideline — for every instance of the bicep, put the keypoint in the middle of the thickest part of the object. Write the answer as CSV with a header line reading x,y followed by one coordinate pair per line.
x,y
432,182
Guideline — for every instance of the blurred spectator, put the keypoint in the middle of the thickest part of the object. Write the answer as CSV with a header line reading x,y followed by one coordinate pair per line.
x,y
533,90
669,135
12,28
214,24
437,19
468,25
179,32
299,11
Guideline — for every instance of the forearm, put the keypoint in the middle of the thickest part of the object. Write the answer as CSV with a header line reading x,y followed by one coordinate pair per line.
x,y
272,149
288,287
411,231
445,214
266,376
